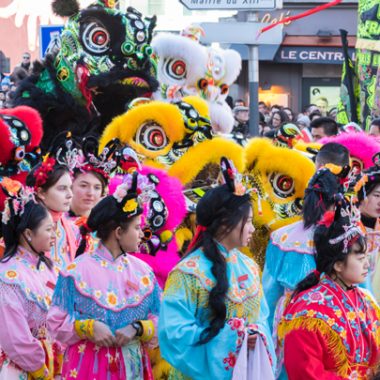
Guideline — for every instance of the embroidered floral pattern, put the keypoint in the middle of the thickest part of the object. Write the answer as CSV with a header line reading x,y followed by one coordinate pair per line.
x,y
194,263
294,237
11,274
71,267
330,304
238,325
230,361
111,297
15,275
317,297
145,281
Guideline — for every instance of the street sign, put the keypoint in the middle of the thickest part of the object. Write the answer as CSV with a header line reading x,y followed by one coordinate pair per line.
x,y
240,33
49,38
248,5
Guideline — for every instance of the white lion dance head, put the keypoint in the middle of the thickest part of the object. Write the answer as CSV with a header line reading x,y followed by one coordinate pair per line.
x,y
185,67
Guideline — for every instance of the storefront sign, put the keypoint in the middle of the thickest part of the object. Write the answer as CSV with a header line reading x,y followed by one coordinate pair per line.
x,y
272,18
326,55
231,4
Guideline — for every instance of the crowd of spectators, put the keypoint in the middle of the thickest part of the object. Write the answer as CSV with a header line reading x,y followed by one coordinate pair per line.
x,y
314,122
9,83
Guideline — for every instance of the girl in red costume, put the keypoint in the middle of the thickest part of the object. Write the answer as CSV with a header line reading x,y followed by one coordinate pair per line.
x,y
331,327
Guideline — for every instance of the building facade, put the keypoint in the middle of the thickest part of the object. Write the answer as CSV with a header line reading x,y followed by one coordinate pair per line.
x,y
307,66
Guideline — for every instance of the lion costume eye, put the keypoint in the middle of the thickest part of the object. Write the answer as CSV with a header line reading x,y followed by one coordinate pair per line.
x,y
96,38
19,153
151,136
175,68
127,48
282,184
202,83
224,89
356,166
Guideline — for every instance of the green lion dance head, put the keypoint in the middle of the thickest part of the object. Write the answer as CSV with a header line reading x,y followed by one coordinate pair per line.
x,y
105,51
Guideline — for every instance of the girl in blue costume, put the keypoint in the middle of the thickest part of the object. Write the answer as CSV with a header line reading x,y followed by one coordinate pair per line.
x,y
212,297
290,253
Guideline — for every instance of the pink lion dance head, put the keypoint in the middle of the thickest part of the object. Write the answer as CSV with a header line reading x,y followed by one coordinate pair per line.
x,y
362,148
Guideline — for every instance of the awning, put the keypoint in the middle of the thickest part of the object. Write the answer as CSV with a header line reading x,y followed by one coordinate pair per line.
x,y
302,49
266,52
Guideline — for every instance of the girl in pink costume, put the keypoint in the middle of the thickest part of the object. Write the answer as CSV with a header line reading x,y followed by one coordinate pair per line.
x,y
106,302
26,282
52,183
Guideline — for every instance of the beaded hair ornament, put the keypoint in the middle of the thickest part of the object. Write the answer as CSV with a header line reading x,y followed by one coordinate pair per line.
x,y
232,178
66,155
17,197
104,163
351,230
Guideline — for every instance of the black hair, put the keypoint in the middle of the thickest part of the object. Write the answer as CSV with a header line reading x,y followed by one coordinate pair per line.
x,y
332,111
283,116
333,153
329,125
262,119
327,254
291,111
373,174
315,113
230,101
31,218
104,218
270,134
219,211
320,195
307,107
376,122
239,101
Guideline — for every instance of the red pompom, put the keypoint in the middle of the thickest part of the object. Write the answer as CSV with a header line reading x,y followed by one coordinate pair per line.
x,y
327,219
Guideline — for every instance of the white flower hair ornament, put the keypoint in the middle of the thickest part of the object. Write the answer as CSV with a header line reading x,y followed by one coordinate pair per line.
x,y
351,230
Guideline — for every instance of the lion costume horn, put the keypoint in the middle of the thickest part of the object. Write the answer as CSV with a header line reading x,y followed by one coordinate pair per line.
x,y
65,8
